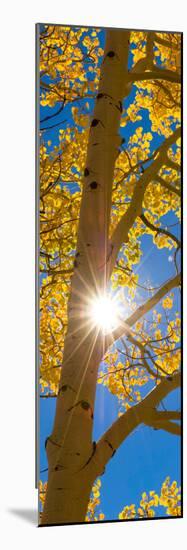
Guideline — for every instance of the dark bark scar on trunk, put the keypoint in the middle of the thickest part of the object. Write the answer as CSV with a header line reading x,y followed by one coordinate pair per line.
x,y
64,388
111,447
85,405
91,456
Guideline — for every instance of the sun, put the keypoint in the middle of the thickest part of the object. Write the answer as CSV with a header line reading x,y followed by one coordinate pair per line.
x,y
105,313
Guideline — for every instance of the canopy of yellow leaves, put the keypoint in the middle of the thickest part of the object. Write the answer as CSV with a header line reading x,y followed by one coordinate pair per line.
x,y
169,498
70,61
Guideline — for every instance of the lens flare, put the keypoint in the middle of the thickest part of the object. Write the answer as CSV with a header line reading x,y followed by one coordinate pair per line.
x,y
105,313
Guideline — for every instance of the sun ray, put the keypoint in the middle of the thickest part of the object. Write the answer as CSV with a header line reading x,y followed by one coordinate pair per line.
x,y
80,385
80,342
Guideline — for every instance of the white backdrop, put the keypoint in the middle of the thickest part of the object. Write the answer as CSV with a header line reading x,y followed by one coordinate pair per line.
x,y
18,498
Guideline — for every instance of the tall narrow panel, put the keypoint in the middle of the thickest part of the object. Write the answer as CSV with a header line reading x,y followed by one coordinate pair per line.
x,y
108,165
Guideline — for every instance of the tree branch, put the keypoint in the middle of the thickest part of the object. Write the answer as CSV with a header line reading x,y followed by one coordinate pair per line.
x,y
173,165
168,426
120,234
160,416
160,420
165,42
142,310
140,413
156,74
168,186
159,230
166,90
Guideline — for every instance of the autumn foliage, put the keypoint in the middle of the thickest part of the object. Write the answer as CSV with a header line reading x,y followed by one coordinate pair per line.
x,y
143,202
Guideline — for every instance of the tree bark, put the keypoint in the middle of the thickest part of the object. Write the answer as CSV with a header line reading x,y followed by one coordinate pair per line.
x,y
70,447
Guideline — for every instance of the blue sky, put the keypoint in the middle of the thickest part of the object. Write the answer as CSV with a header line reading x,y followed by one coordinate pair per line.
x,y
145,459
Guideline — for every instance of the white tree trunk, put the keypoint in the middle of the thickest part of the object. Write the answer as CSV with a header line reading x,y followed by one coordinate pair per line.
x,y
70,447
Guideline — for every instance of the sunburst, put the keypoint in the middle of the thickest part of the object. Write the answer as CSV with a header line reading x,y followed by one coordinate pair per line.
x,y
105,313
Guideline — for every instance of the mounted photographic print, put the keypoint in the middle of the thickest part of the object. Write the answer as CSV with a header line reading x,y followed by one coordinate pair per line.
x,y
108,295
